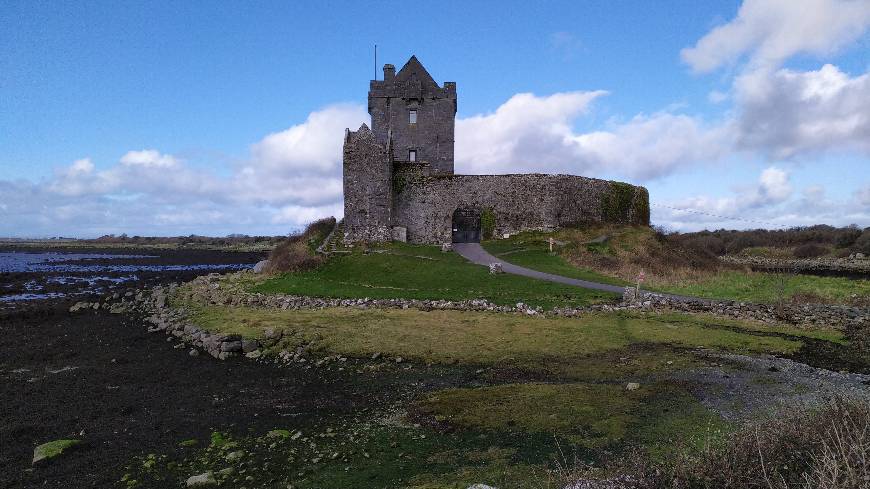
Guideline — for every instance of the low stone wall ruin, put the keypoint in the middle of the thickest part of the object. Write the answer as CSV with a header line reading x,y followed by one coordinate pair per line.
x,y
212,289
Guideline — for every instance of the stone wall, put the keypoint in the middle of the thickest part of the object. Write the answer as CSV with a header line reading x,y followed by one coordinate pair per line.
x,y
367,188
424,204
391,100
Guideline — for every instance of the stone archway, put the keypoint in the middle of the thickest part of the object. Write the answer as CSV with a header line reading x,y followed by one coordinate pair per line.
x,y
466,225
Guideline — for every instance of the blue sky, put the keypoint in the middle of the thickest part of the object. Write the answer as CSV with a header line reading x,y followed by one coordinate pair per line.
x,y
212,118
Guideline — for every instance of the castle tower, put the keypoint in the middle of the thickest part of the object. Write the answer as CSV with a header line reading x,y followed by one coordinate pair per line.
x,y
414,116
367,187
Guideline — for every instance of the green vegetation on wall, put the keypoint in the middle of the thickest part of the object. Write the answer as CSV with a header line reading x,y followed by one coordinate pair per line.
x,y
487,223
617,202
641,206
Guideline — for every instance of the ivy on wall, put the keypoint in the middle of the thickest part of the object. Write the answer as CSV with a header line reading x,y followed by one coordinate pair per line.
x,y
487,223
640,209
616,203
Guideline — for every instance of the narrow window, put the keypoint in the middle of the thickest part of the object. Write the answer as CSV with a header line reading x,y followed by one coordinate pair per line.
x,y
412,155
412,117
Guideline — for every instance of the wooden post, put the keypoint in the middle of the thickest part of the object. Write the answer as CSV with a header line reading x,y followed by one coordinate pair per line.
x,y
551,244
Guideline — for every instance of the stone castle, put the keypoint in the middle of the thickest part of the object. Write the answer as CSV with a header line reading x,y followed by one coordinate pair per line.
x,y
399,183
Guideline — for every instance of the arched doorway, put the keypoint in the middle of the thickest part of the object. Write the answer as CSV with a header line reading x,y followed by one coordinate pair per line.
x,y
466,226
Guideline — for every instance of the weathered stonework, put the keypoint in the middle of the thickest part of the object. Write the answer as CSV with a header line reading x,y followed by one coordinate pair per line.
x,y
367,187
425,205
384,191
391,101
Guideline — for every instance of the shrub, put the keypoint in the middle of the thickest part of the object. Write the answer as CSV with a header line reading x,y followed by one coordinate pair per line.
x,y
862,244
810,250
740,243
297,253
847,237
705,244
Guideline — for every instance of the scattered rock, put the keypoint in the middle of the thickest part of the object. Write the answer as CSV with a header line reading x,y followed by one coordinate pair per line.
x,y
234,456
202,480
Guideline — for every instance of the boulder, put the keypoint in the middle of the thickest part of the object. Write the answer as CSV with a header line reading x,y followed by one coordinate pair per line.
x,y
261,266
447,247
496,268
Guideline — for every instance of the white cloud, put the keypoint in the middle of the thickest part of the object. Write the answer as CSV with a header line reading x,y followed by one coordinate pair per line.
x,y
530,133
787,113
770,31
313,147
290,178
148,158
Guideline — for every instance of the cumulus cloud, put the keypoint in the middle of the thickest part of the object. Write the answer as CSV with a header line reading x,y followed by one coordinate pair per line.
x,y
787,113
767,203
312,147
289,178
770,31
535,133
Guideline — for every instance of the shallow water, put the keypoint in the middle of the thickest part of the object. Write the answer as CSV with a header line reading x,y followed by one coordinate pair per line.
x,y
27,276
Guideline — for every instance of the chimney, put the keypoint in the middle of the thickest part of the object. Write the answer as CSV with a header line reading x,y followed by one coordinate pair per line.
x,y
389,72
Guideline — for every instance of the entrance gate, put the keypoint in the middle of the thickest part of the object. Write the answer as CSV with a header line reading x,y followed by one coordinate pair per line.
x,y
466,226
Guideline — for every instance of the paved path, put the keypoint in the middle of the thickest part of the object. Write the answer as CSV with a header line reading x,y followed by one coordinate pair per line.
x,y
475,253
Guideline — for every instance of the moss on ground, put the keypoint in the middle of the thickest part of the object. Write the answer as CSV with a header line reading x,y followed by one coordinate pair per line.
x,y
592,416
52,449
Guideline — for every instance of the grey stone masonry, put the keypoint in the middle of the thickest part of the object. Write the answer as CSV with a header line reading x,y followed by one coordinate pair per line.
x,y
430,133
425,204
367,188
399,182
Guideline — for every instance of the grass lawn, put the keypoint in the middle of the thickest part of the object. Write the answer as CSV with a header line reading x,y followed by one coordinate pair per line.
x,y
534,253
770,287
482,338
424,272
531,250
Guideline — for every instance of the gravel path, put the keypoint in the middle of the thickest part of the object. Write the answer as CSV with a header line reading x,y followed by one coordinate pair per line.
x,y
475,253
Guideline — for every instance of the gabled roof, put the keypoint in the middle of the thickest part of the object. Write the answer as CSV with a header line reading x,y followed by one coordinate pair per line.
x,y
414,69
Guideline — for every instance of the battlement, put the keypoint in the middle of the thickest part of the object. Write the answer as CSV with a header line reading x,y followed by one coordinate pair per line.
x,y
414,116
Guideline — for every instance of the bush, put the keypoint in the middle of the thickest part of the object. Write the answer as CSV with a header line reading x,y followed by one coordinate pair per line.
x,y
847,237
705,244
740,243
298,252
862,244
809,251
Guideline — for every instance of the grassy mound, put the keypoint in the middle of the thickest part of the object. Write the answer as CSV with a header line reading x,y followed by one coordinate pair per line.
x,y
423,272
298,252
